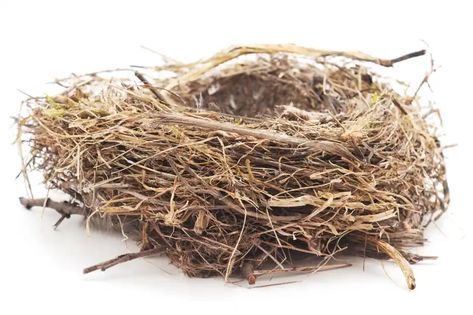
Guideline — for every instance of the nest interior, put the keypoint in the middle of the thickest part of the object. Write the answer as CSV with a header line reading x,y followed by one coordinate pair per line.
x,y
243,167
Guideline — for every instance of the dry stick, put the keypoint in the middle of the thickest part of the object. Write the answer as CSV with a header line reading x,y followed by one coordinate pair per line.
x,y
150,87
398,105
123,258
389,63
58,222
425,80
64,207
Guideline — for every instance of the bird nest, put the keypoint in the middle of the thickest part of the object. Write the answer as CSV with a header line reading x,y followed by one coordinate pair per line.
x,y
246,163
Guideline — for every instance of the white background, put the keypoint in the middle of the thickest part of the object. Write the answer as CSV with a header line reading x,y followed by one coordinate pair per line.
x,y
40,269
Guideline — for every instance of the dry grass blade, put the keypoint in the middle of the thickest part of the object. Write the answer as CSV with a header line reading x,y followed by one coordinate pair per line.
x,y
400,261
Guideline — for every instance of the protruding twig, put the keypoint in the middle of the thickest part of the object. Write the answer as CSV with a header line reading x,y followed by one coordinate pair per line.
x,y
408,56
414,258
398,105
63,216
64,207
425,80
123,258
391,62
150,86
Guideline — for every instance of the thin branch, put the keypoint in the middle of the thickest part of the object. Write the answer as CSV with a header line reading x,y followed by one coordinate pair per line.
x,y
123,258
150,87
425,80
414,54
58,222
398,105
65,208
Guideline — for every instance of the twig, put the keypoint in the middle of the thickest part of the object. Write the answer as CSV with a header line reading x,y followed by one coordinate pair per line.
x,y
398,105
414,54
64,207
123,258
425,80
150,86
58,222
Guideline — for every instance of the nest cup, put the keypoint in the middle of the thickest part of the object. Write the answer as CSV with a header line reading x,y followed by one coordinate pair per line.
x,y
247,163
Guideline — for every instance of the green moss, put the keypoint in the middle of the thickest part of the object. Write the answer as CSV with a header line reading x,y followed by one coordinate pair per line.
x,y
55,109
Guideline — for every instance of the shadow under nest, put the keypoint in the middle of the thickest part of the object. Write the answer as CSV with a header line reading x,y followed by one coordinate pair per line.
x,y
245,167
